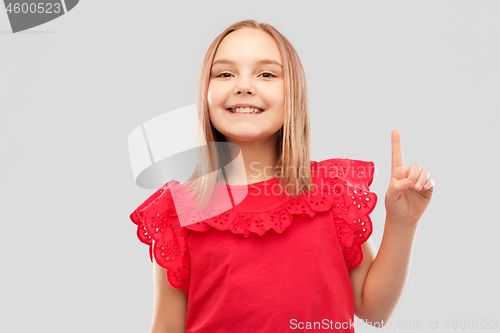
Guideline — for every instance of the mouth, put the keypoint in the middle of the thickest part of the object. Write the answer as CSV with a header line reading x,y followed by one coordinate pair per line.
x,y
245,110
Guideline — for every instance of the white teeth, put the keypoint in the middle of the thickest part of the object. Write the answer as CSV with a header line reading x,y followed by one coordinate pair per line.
x,y
245,110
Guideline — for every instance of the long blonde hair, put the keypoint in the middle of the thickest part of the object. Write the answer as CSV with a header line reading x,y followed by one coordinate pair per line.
x,y
293,144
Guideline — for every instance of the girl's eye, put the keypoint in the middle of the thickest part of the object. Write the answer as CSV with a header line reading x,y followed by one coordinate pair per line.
x,y
271,75
222,75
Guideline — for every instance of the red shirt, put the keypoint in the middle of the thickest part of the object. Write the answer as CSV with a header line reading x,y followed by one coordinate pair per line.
x,y
267,264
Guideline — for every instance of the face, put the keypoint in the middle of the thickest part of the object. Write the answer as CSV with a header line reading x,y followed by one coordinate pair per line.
x,y
242,74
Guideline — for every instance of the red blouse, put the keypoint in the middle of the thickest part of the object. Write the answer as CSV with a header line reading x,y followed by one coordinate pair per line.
x,y
250,269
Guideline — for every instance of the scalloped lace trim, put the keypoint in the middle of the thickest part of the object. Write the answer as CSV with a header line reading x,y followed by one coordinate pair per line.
x,y
156,219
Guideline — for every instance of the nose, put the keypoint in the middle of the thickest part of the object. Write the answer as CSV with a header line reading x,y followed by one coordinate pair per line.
x,y
244,86
244,90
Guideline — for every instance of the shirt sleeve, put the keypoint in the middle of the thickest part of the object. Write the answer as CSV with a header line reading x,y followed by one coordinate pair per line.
x,y
157,220
353,202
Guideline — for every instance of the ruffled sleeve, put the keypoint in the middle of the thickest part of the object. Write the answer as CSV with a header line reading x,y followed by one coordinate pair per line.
x,y
156,218
348,181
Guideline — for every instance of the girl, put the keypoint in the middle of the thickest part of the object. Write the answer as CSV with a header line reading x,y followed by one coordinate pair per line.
x,y
276,242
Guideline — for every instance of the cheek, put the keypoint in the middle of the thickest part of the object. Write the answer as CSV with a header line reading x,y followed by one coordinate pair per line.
x,y
276,95
215,95
210,95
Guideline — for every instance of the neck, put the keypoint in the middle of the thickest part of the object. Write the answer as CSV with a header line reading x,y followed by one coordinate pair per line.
x,y
253,161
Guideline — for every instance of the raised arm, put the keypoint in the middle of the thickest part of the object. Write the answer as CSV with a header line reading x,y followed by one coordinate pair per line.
x,y
170,304
378,283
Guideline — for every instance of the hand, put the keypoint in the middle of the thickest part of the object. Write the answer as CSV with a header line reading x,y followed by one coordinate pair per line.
x,y
410,189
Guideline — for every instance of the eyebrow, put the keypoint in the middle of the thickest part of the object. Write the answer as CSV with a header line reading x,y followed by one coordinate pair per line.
x,y
260,62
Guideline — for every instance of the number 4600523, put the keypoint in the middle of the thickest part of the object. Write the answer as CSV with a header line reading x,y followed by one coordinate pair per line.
x,y
471,324
32,8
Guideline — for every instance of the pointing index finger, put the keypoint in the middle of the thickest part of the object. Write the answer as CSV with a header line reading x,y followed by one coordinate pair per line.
x,y
397,155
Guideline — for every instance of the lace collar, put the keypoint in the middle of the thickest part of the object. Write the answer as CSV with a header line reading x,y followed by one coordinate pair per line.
x,y
339,184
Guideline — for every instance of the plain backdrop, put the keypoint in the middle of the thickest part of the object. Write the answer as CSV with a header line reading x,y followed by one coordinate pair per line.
x,y
73,89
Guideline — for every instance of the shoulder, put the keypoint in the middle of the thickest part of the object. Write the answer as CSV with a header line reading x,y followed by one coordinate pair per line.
x,y
158,226
346,183
346,168
155,209
161,198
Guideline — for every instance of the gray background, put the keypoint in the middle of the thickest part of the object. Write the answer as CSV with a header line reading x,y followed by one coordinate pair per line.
x,y
72,90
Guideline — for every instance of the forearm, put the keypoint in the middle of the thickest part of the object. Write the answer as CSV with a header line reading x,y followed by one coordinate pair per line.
x,y
389,272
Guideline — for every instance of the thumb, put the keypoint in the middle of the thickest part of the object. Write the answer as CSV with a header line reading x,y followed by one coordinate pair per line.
x,y
396,187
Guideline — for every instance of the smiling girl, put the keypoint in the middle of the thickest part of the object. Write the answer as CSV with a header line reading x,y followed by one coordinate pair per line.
x,y
294,253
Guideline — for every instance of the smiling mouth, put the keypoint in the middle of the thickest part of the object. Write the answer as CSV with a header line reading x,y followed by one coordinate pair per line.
x,y
245,110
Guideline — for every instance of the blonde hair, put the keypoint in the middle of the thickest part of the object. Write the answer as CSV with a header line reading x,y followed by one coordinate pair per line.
x,y
293,144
